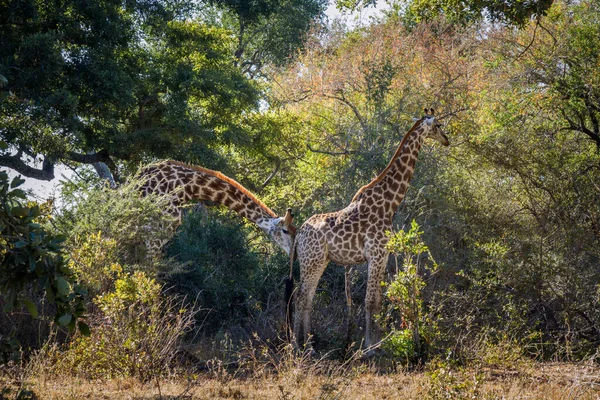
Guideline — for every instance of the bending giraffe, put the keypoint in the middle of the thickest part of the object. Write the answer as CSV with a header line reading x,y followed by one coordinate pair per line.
x,y
357,233
184,183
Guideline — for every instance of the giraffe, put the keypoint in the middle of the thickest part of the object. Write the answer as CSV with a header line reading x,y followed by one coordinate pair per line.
x,y
183,183
356,234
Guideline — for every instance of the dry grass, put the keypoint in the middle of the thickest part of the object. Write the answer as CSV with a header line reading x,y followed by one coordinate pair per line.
x,y
540,381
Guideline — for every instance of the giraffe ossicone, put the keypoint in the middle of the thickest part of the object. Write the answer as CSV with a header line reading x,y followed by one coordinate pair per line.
x,y
356,234
183,183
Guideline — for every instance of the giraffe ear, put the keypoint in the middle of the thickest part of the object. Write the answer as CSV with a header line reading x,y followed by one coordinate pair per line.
x,y
287,219
426,111
432,111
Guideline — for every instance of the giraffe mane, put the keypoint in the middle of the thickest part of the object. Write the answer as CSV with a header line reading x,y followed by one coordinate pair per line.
x,y
382,174
227,179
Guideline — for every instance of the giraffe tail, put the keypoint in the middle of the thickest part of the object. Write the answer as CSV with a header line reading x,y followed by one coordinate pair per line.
x,y
287,296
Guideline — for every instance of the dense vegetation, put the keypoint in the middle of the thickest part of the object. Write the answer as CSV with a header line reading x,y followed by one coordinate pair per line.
x,y
496,253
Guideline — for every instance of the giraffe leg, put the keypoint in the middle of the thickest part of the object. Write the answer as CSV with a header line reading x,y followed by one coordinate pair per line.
x,y
348,290
373,299
310,273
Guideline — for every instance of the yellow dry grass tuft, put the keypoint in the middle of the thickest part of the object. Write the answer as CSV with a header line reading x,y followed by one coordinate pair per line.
x,y
542,381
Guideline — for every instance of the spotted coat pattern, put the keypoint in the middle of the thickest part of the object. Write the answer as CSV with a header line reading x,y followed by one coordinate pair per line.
x,y
184,183
356,234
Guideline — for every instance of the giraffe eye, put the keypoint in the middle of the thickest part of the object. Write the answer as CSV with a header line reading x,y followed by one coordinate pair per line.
x,y
285,231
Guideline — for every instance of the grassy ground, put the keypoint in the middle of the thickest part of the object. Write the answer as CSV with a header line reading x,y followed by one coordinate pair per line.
x,y
537,381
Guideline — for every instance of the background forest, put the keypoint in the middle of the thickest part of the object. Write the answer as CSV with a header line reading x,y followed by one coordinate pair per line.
x,y
496,250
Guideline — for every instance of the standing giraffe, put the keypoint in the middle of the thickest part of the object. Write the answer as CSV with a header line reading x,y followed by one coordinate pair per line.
x,y
183,183
357,233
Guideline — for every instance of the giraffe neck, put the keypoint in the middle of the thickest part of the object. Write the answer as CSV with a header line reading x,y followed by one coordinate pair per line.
x,y
186,183
389,187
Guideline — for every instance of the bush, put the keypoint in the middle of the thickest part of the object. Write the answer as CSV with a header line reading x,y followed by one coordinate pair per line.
x,y
223,268
405,294
32,264
136,332
122,215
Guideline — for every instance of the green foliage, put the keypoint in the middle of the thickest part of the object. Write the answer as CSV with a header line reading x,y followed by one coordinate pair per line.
x,y
94,261
10,349
405,292
108,80
136,333
511,207
514,13
232,280
269,31
448,382
401,346
125,221
32,258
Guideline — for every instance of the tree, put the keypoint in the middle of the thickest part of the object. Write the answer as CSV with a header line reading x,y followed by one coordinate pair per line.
x,y
31,258
514,12
356,93
111,81
269,31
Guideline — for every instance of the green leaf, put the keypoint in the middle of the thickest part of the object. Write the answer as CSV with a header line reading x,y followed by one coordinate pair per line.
x,y
80,290
84,328
31,307
17,181
20,244
62,286
18,193
65,320
19,211
3,145
35,211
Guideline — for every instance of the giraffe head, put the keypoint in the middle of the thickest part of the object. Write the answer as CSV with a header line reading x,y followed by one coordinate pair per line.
x,y
282,231
433,129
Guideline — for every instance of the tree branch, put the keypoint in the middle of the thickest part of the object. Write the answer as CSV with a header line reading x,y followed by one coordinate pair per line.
x,y
103,156
331,153
46,173
582,128
354,109
271,176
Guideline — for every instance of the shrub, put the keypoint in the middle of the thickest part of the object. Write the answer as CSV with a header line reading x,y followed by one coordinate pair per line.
x,y
32,262
121,215
405,293
225,271
136,332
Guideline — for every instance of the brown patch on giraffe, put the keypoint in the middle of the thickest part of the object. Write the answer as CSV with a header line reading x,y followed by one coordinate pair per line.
x,y
208,193
233,192
216,184
219,197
